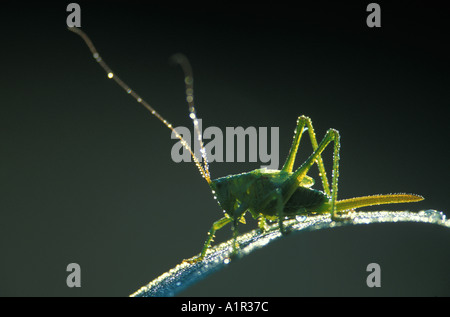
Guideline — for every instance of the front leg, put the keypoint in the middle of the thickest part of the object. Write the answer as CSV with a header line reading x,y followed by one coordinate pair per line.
x,y
216,226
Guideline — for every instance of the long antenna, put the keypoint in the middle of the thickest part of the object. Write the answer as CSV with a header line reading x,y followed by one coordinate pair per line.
x,y
182,60
204,171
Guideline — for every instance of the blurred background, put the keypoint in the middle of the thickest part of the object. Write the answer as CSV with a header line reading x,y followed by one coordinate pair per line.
x,y
86,174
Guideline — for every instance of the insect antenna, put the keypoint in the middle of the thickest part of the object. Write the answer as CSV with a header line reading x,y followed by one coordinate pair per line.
x,y
204,172
182,60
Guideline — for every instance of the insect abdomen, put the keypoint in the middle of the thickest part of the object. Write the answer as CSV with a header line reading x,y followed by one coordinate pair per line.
x,y
305,200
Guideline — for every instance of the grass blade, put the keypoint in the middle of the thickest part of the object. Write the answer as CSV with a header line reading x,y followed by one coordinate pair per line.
x,y
184,274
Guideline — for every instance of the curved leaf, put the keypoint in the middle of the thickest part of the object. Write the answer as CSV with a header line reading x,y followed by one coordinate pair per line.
x,y
217,257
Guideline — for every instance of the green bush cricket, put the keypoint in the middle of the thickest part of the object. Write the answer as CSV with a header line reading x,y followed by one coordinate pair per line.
x,y
273,195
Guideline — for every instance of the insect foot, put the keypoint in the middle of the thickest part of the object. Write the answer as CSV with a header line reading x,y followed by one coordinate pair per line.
x,y
262,224
193,260
342,216
235,252
282,227
233,255
285,230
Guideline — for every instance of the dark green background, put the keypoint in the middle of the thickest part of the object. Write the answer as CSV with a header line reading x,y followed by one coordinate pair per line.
x,y
86,174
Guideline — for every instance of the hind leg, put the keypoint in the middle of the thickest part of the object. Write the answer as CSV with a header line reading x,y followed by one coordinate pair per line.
x,y
293,182
302,123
